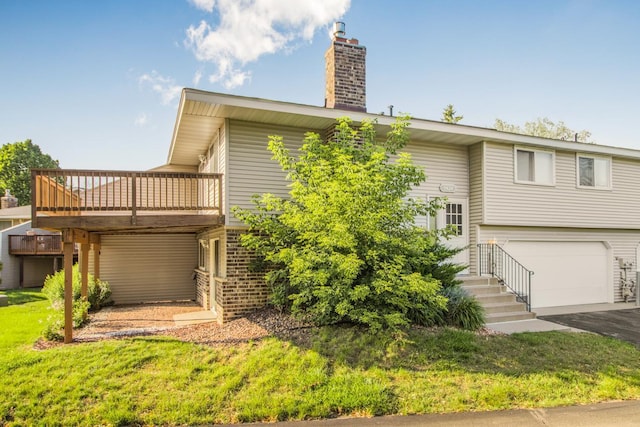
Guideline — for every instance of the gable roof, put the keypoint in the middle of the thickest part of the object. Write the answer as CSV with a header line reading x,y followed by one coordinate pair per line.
x,y
19,212
201,114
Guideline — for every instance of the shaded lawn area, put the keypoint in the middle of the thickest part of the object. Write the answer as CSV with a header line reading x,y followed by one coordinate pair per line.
x,y
322,373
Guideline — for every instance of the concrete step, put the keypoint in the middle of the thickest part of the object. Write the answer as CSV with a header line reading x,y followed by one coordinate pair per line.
x,y
494,308
478,280
484,289
499,303
503,298
509,316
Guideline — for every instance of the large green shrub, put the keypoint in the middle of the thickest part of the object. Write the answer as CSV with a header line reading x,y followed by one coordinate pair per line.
x,y
344,246
98,291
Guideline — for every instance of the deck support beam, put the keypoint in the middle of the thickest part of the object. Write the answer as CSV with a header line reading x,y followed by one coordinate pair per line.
x,y
84,270
95,246
68,246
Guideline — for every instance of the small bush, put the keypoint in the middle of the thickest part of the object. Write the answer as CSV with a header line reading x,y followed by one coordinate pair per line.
x,y
98,291
55,322
463,310
98,294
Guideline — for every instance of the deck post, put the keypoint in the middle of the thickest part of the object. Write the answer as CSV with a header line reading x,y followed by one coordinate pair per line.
x,y
67,238
84,269
21,272
34,206
95,246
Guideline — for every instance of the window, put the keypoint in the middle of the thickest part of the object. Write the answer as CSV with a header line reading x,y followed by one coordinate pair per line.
x,y
216,258
203,255
534,166
594,172
453,217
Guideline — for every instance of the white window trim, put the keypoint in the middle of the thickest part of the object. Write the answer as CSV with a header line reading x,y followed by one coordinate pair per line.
x,y
594,187
534,150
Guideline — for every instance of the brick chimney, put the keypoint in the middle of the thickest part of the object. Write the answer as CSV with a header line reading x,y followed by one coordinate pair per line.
x,y
8,201
345,73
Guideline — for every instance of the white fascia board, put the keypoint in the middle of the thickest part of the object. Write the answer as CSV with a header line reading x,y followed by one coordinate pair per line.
x,y
172,146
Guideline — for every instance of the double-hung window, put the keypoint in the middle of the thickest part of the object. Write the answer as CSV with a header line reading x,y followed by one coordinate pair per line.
x,y
534,166
593,171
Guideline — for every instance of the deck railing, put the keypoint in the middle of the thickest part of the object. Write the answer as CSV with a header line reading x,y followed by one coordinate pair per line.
x,y
494,260
89,192
43,244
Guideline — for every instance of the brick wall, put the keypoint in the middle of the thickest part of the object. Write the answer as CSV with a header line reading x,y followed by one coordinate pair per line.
x,y
242,291
202,289
346,75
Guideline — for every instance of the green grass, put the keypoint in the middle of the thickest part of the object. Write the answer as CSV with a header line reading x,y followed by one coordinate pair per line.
x,y
22,322
335,371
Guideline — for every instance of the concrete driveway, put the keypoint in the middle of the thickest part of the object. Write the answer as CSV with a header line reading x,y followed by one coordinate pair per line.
x,y
621,324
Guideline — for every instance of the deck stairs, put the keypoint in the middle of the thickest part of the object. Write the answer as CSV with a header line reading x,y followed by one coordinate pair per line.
x,y
499,303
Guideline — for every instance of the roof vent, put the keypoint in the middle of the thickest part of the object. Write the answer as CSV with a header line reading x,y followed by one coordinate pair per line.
x,y
338,30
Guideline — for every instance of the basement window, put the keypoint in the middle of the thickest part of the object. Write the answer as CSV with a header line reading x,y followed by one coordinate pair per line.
x,y
203,255
534,166
593,172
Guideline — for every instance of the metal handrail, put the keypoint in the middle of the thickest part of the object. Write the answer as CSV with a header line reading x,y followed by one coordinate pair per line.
x,y
494,260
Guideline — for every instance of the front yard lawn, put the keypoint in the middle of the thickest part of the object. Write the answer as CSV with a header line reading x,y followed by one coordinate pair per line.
x,y
330,371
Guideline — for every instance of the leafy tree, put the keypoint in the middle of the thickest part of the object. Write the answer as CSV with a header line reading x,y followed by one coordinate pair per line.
x,y
344,246
546,129
449,115
16,160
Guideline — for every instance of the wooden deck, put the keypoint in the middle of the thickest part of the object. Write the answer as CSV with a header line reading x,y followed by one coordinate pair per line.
x,y
43,244
112,201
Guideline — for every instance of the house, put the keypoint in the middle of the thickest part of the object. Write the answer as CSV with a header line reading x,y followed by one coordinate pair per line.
x,y
27,255
567,211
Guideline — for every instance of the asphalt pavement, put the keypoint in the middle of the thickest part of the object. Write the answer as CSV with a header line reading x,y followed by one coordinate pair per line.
x,y
619,414
621,324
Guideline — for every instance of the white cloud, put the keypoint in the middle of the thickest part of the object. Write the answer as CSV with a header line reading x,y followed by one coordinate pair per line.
x,y
206,5
249,29
196,77
165,86
142,120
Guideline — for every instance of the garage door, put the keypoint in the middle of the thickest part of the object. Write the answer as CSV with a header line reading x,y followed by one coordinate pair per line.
x,y
149,267
565,273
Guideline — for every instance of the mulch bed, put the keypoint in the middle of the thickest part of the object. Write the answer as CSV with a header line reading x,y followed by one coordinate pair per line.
x,y
157,319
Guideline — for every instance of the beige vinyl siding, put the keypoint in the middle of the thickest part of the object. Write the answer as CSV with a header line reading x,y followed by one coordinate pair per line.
x,y
476,179
214,163
443,164
623,242
251,170
36,269
563,204
149,267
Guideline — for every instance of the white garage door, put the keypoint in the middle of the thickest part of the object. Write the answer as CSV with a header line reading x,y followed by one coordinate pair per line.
x,y
565,273
149,267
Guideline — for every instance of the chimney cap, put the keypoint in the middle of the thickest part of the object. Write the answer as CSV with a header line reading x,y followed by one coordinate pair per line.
x,y
338,30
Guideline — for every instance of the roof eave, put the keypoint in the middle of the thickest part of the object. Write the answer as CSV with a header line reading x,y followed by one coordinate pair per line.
x,y
457,133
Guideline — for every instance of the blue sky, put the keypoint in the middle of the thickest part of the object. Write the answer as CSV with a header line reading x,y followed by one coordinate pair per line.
x,y
94,83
